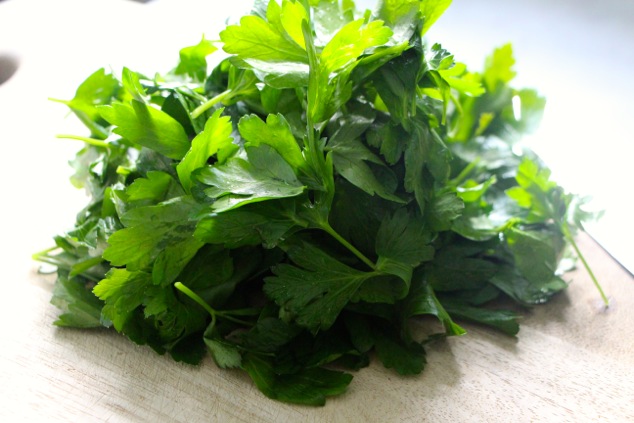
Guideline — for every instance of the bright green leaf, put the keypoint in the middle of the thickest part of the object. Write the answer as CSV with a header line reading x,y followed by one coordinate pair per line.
x,y
148,127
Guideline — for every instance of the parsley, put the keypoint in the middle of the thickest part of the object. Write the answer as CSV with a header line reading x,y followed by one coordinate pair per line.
x,y
291,210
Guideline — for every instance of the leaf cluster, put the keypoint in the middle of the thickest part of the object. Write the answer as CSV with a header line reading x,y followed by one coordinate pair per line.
x,y
292,209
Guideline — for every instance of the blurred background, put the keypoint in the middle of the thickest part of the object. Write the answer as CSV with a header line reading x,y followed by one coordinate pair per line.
x,y
578,53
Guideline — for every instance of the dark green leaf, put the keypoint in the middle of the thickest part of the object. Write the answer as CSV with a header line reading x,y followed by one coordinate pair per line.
x,y
309,386
407,358
317,291
80,307
422,300
503,320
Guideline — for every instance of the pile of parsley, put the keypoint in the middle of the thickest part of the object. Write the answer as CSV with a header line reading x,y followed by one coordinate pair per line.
x,y
293,210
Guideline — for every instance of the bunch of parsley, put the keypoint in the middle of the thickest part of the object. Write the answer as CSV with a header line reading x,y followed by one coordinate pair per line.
x,y
291,211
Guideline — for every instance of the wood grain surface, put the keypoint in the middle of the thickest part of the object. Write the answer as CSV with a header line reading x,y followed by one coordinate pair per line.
x,y
572,362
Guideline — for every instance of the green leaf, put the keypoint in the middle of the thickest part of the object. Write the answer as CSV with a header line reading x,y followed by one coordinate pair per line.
x,y
193,60
255,38
148,127
330,71
279,74
80,307
171,261
225,354
269,335
276,132
402,243
404,238
215,139
515,285
98,89
148,231
309,386
502,320
401,16
262,175
425,153
214,272
471,191
444,208
499,67
254,224
357,216
543,199
391,139
131,82
350,42
157,186
317,291
123,292
349,156
174,321
422,300
535,256
407,358
329,17
189,349
462,81
431,10
293,13
397,82
460,266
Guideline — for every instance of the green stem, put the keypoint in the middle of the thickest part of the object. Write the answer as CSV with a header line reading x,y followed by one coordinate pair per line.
x,y
191,294
226,316
81,267
42,255
316,154
570,239
57,100
210,103
213,313
91,141
464,173
326,227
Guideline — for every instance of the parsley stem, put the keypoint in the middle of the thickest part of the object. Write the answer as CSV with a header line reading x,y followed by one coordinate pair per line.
x,y
213,313
87,140
464,173
210,103
191,294
571,239
82,266
326,227
43,255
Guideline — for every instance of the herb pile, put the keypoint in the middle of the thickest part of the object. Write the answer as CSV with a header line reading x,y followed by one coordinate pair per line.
x,y
291,211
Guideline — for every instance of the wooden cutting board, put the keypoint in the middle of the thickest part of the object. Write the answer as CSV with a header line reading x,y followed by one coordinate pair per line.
x,y
573,361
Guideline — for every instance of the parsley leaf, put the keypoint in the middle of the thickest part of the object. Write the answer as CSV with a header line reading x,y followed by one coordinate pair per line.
x,y
317,291
262,174
148,127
